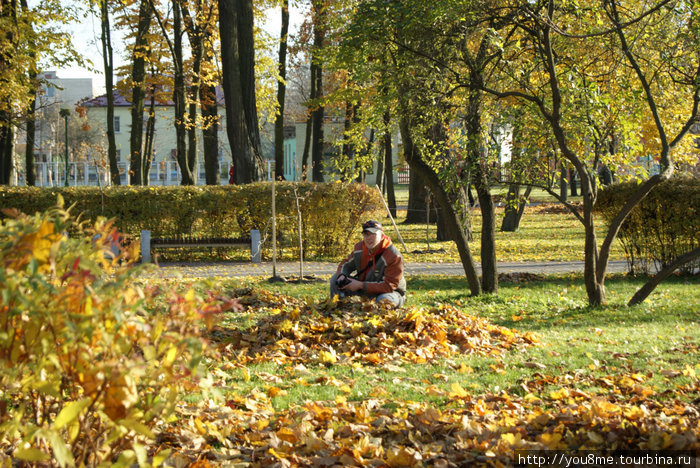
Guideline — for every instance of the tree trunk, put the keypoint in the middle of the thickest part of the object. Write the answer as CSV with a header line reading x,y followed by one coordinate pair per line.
x,y
8,15
572,182
210,136
107,57
237,60
317,142
654,281
317,138
179,99
347,150
362,173
281,91
246,44
415,162
489,268
195,33
510,219
199,32
194,93
515,207
32,71
192,133
149,137
417,195
7,139
138,94
29,168
594,290
389,166
563,189
379,177
307,145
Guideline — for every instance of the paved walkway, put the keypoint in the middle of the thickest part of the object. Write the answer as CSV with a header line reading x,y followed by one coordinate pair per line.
x,y
326,269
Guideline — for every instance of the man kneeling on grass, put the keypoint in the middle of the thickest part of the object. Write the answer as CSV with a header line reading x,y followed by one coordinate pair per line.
x,y
378,266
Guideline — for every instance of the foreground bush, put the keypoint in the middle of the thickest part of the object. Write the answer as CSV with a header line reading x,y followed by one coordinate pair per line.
x,y
86,368
664,226
329,212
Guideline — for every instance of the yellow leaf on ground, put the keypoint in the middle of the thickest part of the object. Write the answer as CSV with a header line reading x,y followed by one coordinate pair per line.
x,y
559,394
551,440
275,391
465,369
288,435
458,392
327,357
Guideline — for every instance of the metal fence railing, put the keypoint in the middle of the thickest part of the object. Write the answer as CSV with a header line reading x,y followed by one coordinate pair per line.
x,y
83,173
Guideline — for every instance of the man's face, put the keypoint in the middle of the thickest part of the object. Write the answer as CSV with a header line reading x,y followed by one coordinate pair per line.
x,y
371,239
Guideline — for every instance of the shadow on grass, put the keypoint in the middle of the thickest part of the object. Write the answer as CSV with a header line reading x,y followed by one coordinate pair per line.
x,y
560,301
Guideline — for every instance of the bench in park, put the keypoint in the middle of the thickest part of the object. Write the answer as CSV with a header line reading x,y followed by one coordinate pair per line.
x,y
148,243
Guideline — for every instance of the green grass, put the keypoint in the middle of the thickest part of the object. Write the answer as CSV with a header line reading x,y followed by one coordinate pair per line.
x,y
542,236
590,349
545,234
499,193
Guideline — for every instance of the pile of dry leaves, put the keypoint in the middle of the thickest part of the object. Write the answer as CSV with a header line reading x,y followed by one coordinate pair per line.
x,y
354,331
487,429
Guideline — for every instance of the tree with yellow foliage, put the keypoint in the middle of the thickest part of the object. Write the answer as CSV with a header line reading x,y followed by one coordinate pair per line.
x,y
605,70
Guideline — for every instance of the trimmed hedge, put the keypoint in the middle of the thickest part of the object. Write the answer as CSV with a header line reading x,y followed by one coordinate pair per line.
x,y
330,212
664,226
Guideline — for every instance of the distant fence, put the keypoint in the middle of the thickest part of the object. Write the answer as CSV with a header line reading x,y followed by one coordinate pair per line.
x,y
403,175
84,173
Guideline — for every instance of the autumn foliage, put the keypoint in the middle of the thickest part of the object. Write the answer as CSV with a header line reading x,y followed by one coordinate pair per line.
x,y
103,367
572,412
91,360
362,333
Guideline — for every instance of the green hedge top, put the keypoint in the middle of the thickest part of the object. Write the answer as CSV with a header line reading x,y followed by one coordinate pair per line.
x,y
330,212
664,226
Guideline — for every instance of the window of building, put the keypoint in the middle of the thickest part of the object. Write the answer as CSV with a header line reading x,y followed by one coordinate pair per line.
x,y
50,91
117,124
119,155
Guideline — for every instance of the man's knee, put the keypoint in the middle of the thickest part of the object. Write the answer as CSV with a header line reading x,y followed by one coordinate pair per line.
x,y
334,290
393,298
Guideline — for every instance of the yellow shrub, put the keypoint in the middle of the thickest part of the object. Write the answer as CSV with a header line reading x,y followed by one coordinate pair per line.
x,y
90,360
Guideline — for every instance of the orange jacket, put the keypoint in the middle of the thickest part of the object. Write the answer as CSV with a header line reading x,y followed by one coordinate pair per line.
x,y
384,275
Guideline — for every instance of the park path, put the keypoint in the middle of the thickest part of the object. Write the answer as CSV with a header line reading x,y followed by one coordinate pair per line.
x,y
326,269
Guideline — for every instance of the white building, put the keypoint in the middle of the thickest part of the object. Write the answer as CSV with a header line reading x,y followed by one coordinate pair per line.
x,y
55,94
164,168
294,140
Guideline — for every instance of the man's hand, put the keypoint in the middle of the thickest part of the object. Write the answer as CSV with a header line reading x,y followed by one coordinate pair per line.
x,y
354,285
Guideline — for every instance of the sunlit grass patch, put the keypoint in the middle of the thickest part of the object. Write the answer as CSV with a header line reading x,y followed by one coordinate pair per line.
x,y
545,234
656,340
300,375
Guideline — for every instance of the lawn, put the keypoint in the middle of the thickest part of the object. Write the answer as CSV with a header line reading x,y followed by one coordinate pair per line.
x,y
97,356
547,233
448,379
